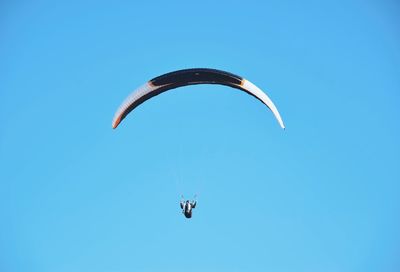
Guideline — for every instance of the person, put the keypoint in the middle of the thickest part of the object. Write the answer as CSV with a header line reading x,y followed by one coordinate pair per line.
x,y
187,207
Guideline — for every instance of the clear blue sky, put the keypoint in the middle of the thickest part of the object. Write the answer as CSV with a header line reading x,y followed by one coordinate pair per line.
x,y
323,195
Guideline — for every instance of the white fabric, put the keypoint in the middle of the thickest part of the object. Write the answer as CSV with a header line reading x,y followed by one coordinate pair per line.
x,y
254,90
139,92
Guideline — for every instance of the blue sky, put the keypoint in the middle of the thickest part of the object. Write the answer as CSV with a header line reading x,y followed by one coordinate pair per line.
x,y
323,195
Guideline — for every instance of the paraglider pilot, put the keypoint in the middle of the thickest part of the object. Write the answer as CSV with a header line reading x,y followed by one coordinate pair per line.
x,y
187,207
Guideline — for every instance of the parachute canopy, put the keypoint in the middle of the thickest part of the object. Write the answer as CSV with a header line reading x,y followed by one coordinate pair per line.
x,y
187,77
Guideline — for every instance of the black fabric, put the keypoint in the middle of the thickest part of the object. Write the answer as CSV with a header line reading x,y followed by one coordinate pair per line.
x,y
197,76
187,77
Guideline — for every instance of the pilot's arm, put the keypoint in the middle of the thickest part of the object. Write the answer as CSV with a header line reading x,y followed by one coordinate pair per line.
x,y
194,204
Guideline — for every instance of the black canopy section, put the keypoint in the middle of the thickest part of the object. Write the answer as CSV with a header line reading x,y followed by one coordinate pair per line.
x,y
197,76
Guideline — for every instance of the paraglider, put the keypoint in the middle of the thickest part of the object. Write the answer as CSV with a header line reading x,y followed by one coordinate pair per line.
x,y
187,77
187,207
